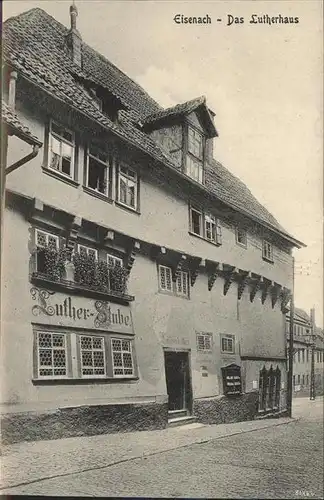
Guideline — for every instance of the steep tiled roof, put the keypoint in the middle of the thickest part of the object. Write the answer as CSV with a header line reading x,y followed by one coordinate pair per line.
x,y
35,44
9,118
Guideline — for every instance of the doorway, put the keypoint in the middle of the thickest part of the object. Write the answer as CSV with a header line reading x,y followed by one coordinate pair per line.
x,y
178,382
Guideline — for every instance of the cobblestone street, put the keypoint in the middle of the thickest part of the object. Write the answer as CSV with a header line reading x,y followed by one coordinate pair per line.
x,y
279,459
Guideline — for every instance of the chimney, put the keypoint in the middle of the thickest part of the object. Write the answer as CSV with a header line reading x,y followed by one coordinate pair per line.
x,y
73,38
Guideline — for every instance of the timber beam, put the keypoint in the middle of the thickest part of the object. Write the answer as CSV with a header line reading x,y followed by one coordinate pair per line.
x,y
132,255
229,277
216,271
244,278
256,285
178,267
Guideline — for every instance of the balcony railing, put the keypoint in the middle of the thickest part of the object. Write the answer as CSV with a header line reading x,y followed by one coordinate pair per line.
x,y
79,270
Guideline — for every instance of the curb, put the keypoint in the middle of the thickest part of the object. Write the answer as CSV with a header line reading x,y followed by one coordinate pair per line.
x,y
149,454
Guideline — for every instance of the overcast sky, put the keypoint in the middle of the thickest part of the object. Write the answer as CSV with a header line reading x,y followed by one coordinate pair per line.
x,y
263,82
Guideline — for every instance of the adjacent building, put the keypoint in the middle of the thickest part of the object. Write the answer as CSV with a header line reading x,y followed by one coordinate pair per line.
x,y
142,281
306,338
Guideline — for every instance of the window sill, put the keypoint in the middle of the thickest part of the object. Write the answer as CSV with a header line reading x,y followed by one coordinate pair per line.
x,y
97,194
80,381
270,261
61,177
127,208
205,239
172,294
64,285
228,353
242,245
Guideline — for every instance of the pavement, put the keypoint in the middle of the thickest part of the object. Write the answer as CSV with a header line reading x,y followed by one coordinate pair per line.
x,y
27,466
28,462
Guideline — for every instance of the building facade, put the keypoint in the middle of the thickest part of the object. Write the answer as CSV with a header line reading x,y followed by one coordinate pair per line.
x,y
306,338
142,281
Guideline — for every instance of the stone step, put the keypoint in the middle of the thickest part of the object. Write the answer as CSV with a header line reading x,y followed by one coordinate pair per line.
x,y
177,413
176,421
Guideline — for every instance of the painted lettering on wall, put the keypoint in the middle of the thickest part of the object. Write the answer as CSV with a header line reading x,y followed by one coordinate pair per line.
x,y
176,340
79,311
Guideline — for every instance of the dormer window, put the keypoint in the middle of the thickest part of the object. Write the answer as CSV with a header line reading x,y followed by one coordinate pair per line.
x,y
195,155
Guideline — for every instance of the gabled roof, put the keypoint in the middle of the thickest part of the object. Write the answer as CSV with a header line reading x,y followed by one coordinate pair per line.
x,y
15,126
34,43
198,105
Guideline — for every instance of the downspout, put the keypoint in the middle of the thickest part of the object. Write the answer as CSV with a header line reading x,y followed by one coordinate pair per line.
x,y
291,346
23,160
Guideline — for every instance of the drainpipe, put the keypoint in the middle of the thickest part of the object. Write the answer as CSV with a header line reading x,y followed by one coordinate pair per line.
x,y
23,160
291,347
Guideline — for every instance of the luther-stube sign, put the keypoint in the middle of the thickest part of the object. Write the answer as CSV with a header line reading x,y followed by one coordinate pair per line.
x,y
55,308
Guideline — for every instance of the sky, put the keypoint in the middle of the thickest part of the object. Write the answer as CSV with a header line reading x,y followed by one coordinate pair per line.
x,y
264,82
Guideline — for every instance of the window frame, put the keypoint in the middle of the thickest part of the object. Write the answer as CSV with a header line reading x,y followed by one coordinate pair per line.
x,y
204,336
37,246
116,376
106,165
73,355
87,248
215,221
267,250
169,269
239,229
115,259
227,337
61,139
191,155
173,290
129,179
37,348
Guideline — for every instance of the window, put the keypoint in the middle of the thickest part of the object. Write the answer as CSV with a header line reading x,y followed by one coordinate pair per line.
x,y
43,241
98,172
204,341
267,250
307,380
182,285
127,187
122,357
294,380
298,379
241,237
303,355
227,343
51,354
92,356
165,276
307,355
303,380
89,252
205,225
195,143
298,355
194,169
87,355
269,389
61,150
113,261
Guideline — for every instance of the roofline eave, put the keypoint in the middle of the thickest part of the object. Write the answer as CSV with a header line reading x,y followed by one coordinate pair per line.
x,y
168,163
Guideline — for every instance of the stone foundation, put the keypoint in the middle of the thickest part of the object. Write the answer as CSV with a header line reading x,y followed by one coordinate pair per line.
x,y
82,421
225,410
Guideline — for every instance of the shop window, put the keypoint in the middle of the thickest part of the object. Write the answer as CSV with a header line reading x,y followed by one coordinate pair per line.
x,y
122,357
92,356
269,389
127,187
241,236
61,150
204,341
267,251
228,344
51,355
205,225
98,172
96,356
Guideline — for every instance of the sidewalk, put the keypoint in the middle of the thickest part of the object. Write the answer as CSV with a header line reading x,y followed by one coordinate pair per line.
x,y
28,462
